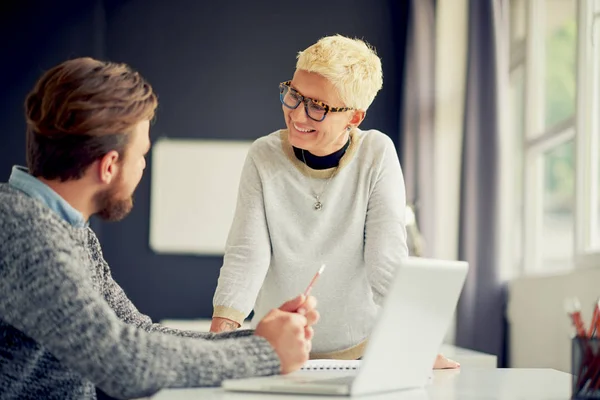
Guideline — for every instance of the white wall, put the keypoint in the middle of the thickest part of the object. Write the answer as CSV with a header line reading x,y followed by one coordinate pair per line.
x,y
539,327
451,60
450,75
191,210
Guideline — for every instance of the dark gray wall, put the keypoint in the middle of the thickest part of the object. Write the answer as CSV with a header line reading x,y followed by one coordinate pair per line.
x,y
215,67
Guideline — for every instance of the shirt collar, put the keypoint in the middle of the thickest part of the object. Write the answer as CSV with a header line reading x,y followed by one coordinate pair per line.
x,y
22,180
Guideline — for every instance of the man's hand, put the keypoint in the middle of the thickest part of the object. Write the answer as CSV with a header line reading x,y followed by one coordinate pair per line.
x,y
219,325
288,329
442,362
307,308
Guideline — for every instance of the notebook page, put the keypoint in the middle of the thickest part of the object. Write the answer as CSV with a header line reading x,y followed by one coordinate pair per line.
x,y
340,365
331,365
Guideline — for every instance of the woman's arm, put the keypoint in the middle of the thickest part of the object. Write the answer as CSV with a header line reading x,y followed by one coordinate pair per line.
x,y
223,325
247,254
385,230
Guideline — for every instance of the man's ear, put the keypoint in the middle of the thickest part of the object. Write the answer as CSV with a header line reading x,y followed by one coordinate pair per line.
x,y
357,118
108,167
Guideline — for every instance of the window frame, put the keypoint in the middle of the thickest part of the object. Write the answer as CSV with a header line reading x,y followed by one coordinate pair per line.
x,y
588,235
583,128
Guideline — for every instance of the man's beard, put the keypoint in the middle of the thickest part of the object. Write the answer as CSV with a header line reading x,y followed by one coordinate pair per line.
x,y
111,207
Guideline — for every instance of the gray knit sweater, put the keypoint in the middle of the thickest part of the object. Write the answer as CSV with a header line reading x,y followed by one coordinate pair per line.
x,y
66,326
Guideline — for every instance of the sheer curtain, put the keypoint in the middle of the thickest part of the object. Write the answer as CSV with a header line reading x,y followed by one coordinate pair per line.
x,y
481,311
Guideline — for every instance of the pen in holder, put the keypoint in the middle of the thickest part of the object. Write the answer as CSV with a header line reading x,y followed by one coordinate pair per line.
x,y
585,366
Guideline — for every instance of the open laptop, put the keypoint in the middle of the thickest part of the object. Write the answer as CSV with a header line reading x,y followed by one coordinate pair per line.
x,y
403,345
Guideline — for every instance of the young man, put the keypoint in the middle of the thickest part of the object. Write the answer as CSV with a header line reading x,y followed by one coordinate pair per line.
x,y
65,325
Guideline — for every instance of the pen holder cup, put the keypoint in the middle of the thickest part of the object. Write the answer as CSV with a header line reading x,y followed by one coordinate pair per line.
x,y
585,368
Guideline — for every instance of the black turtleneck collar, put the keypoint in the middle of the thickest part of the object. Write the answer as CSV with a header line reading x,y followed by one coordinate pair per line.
x,y
324,162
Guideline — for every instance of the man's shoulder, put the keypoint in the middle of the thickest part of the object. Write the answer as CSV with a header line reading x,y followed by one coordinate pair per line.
x,y
23,216
15,205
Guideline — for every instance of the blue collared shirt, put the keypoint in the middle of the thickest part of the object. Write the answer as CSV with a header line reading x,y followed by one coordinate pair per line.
x,y
21,179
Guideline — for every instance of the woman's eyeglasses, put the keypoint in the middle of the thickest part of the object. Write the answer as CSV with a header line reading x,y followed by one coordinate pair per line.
x,y
315,109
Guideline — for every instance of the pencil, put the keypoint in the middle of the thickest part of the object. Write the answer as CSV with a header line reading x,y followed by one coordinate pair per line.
x,y
314,279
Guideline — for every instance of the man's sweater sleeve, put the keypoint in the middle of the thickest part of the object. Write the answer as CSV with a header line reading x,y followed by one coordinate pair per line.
x,y
49,296
128,312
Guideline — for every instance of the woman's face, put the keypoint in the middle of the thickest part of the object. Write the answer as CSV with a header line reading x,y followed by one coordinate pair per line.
x,y
319,138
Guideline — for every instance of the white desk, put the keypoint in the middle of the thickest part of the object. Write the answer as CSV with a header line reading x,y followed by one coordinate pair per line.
x,y
469,358
465,357
467,383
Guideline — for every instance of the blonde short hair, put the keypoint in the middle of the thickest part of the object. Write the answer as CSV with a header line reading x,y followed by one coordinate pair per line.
x,y
351,65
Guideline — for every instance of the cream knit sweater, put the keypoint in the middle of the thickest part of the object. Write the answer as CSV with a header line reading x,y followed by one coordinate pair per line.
x,y
278,240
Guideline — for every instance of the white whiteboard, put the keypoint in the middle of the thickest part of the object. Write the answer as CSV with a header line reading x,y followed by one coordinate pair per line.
x,y
193,194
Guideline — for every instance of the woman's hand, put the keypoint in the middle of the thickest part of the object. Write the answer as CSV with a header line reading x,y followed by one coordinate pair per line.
x,y
442,362
219,325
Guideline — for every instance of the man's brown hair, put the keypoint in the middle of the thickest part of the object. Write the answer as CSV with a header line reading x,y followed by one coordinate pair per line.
x,y
80,110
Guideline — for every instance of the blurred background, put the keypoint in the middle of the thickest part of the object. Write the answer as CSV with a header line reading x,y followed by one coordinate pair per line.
x,y
494,106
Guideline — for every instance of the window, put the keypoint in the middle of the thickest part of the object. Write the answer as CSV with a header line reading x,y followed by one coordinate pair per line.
x,y
558,207
517,116
588,107
595,128
555,114
560,47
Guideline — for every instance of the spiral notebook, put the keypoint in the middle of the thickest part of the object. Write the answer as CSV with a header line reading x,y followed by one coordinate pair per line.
x,y
331,365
